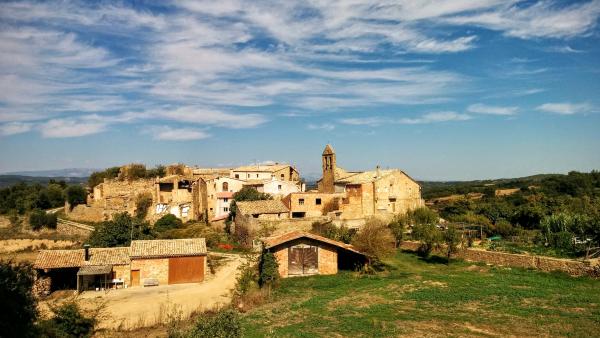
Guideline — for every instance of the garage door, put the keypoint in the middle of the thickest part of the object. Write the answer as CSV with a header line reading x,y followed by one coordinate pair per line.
x,y
186,269
303,260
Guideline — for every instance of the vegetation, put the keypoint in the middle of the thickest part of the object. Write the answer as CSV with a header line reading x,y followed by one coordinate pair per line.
x,y
167,222
120,231
22,197
417,298
75,195
143,202
99,176
20,311
452,239
268,269
134,171
429,236
246,194
39,218
329,230
67,321
222,323
375,240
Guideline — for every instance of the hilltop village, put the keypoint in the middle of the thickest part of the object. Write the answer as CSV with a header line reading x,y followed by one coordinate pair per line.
x,y
205,194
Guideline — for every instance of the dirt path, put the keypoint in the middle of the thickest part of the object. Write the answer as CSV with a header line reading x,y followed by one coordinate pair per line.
x,y
138,307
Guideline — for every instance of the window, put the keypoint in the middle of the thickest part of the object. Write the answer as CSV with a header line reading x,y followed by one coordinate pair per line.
x,y
301,201
226,200
237,175
318,201
225,186
226,209
256,175
248,175
279,187
282,176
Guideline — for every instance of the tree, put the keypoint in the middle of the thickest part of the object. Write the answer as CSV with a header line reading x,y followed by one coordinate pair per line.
x,y
397,227
68,321
20,310
429,236
99,176
452,239
120,231
167,222
424,215
142,204
268,269
246,194
375,240
76,195
37,219
223,323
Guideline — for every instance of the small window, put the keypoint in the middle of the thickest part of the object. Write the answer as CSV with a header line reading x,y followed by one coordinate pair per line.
x,y
256,175
301,201
226,209
237,175
282,176
255,215
225,186
226,200
248,175
279,187
318,201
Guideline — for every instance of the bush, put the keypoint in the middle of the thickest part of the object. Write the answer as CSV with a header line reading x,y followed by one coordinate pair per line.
x,y
75,195
397,226
222,323
37,219
68,321
504,228
142,204
424,215
51,221
167,222
268,269
20,311
429,236
120,231
452,239
329,230
375,240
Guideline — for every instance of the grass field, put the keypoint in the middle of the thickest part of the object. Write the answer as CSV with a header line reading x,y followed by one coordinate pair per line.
x,y
417,299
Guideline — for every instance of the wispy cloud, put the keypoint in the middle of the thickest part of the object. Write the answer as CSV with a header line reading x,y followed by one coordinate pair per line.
x,y
178,134
433,117
565,108
479,108
14,128
65,128
323,126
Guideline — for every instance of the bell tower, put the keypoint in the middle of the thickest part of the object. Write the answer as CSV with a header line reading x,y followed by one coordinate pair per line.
x,y
328,180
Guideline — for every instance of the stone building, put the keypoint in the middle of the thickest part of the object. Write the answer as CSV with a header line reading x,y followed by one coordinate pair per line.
x,y
145,262
284,172
262,210
302,253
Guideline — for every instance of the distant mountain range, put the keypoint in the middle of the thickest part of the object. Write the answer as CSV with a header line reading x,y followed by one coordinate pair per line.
x,y
68,172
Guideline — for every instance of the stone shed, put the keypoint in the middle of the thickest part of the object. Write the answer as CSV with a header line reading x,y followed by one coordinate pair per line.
x,y
169,261
267,209
301,253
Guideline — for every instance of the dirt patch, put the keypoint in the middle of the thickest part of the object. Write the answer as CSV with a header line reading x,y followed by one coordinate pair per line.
x,y
4,222
359,301
479,330
436,284
16,245
477,268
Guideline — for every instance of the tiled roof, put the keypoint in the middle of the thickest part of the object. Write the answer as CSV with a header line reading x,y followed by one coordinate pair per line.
x,y
363,177
56,259
89,270
262,167
270,242
261,207
168,248
225,194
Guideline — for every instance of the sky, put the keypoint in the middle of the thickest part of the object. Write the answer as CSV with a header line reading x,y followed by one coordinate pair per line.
x,y
444,90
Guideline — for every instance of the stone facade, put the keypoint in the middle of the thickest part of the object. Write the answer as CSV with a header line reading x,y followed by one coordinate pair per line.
x,y
157,268
312,204
327,256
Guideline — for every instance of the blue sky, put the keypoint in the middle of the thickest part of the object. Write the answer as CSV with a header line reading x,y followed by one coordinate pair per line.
x,y
456,89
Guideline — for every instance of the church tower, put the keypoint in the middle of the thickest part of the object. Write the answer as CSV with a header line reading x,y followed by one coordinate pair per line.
x,y
328,180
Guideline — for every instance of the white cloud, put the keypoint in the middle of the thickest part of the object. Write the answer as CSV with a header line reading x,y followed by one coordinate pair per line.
x,y
434,117
64,128
365,121
323,126
14,128
565,108
179,134
480,108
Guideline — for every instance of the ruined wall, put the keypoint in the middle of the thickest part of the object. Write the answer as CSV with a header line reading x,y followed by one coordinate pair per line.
x,y
87,213
152,268
547,264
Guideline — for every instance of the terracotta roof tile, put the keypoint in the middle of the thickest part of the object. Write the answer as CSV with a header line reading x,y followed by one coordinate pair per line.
x,y
168,248
56,259
261,207
262,167
273,241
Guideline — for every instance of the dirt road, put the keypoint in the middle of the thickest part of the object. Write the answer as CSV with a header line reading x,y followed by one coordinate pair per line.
x,y
138,307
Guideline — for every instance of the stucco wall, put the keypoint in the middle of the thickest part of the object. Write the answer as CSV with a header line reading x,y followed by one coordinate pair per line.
x,y
152,268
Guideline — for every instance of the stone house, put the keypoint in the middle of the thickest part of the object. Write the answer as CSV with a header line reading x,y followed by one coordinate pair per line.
x,y
301,253
276,187
146,261
182,196
219,191
263,210
284,172
312,203
169,261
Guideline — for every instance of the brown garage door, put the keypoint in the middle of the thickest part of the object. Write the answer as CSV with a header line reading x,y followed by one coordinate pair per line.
x,y
186,269
303,260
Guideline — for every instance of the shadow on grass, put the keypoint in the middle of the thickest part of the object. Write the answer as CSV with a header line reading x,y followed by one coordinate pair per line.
x,y
433,259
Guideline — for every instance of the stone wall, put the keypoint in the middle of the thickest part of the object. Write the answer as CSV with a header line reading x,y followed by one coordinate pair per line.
x,y
87,213
122,272
152,268
548,264
71,230
281,255
327,257
328,264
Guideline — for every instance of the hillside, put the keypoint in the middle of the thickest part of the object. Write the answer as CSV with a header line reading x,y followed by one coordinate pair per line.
x,y
8,180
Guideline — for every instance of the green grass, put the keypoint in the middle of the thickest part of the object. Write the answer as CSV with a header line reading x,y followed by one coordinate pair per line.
x,y
416,298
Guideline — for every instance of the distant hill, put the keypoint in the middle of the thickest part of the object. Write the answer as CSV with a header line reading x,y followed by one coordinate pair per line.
x,y
68,172
8,180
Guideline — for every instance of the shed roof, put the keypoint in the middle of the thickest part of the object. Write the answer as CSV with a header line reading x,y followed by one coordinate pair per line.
x,y
89,270
58,259
262,167
274,241
168,248
261,207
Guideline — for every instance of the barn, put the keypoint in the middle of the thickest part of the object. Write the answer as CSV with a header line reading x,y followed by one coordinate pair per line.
x,y
169,261
301,254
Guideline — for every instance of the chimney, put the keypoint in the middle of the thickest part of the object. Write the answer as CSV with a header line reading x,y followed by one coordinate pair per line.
x,y
86,248
377,170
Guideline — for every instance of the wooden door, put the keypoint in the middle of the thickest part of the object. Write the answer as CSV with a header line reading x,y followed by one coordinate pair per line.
x,y
303,260
186,269
135,277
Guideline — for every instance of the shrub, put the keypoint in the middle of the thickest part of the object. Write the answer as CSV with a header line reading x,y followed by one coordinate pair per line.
x,y
75,195
167,222
51,221
20,311
375,240
37,219
504,228
452,239
142,204
329,230
247,278
429,236
268,269
222,323
120,231
68,321
397,226
424,215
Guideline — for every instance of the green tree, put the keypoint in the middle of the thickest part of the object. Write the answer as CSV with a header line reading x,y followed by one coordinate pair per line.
x,y
423,215
99,176
20,309
452,239
76,195
142,204
167,222
398,227
246,194
223,323
37,219
120,231
268,269
375,240
56,195
429,236
68,321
